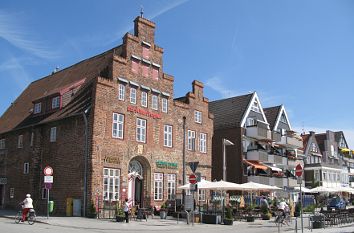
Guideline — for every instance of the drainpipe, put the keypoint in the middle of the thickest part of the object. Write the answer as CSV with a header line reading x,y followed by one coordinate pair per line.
x,y
85,160
184,157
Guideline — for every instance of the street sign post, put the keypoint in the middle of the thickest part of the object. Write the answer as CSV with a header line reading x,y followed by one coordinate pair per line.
x,y
192,179
48,182
298,173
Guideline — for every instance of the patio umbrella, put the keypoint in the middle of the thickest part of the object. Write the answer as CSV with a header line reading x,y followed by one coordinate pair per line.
x,y
203,184
344,189
303,189
322,189
225,185
258,187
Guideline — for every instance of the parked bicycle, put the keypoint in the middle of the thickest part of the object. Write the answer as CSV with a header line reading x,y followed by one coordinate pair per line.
x,y
31,217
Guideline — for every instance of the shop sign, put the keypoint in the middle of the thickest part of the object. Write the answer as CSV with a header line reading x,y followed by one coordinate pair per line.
x,y
164,164
109,159
143,112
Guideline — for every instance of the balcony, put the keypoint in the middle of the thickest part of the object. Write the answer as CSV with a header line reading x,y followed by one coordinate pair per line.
x,y
259,131
290,140
279,182
260,156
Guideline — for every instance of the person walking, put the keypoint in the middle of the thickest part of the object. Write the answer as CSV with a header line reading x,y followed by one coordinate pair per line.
x,y
26,206
126,210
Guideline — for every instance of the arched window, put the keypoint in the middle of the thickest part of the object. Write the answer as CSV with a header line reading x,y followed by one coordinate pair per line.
x,y
135,166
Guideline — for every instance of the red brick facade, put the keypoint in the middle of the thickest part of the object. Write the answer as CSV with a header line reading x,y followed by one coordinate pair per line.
x,y
137,64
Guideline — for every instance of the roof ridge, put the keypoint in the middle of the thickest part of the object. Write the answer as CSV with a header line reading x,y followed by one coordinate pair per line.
x,y
229,98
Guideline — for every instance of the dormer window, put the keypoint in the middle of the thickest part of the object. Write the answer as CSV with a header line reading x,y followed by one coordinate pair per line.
x,y
314,147
37,108
255,106
55,102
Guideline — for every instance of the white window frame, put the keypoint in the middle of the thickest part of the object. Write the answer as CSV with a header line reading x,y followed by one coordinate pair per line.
x,y
171,186
56,102
121,92
2,143
154,102
201,193
25,168
20,141
158,186
37,108
198,116
255,106
111,184
53,134
191,140
118,125
140,130
164,105
167,135
133,95
203,142
144,99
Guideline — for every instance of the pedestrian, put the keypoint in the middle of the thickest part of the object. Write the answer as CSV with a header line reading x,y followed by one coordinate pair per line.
x,y
26,206
126,210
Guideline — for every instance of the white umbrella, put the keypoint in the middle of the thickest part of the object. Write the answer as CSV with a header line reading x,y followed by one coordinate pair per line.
x,y
225,185
322,189
344,189
203,184
303,189
257,186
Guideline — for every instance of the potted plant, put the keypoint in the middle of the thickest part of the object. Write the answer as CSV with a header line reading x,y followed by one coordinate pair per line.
x,y
266,215
120,215
92,211
228,220
163,211
250,217
297,211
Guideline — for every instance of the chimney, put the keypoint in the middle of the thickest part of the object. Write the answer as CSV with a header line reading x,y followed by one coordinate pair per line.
x,y
198,89
144,29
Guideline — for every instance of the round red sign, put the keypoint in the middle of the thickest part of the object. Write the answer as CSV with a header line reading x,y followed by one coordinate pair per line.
x,y
192,179
48,171
298,170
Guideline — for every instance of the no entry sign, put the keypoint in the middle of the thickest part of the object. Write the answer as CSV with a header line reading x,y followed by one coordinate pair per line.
x,y
192,179
298,170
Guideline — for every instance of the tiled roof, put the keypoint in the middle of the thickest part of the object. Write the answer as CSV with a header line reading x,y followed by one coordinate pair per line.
x,y
228,113
271,115
19,113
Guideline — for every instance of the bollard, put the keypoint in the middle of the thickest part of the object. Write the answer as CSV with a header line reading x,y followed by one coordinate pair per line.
x,y
296,225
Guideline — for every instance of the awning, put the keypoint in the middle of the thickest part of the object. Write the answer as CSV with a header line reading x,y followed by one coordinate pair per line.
x,y
256,164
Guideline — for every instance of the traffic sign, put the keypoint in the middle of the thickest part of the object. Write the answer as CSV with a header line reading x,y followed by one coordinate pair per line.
x,y
48,179
48,171
192,179
298,170
193,166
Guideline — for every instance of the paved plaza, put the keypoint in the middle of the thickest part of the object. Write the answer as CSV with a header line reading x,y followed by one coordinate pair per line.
x,y
79,224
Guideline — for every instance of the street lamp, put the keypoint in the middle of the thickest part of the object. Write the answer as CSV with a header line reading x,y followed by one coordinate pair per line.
x,y
225,143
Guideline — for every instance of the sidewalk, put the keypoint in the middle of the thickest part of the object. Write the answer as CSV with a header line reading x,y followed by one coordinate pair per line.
x,y
170,224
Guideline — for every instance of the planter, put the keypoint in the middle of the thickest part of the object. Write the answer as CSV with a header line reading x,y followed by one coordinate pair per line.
x,y
228,221
317,225
120,218
250,218
266,216
163,214
211,219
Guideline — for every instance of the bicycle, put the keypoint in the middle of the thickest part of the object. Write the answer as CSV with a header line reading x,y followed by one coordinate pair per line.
x,y
31,217
281,220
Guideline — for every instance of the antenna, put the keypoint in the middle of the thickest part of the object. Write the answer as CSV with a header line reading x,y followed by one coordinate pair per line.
x,y
141,11
303,128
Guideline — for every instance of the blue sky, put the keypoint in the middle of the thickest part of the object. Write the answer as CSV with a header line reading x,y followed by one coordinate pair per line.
x,y
296,53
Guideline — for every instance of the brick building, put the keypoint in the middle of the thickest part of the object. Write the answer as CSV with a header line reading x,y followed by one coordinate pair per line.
x,y
134,144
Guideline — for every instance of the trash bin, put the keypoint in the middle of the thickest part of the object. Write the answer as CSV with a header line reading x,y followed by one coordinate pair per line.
x,y
77,207
69,207
51,206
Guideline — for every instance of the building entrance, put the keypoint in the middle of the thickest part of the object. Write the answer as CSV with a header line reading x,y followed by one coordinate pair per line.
x,y
2,191
135,185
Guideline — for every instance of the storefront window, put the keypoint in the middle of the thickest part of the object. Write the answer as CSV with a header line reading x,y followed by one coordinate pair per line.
x,y
158,186
171,182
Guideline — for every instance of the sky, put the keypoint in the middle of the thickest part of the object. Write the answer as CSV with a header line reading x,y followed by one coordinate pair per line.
x,y
297,53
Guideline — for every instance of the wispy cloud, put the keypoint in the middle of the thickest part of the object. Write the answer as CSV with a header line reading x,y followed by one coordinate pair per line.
x,y
15,72
13,31
348,133
168,7
218,85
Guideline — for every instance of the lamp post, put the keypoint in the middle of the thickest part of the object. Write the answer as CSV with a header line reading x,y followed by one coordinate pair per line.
x,y
85,158
225,143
